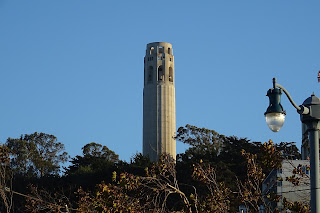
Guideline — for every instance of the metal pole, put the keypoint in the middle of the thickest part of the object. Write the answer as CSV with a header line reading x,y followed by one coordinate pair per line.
x,y
314,168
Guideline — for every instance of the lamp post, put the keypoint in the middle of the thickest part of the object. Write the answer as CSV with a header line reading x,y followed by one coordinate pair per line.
x,y
310,115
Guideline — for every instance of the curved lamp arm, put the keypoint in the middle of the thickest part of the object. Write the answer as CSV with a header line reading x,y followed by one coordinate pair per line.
x,y
275,115
286,92
300,109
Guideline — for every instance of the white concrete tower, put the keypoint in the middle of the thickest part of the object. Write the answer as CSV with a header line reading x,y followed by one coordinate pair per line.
x,y
159,104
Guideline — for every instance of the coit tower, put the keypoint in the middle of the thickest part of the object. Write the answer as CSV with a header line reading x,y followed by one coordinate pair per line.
x,y
159,106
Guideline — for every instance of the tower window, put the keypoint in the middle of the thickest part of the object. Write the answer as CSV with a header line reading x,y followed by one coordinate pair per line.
x,y
150,71
151,50
169,50
160,74
160,49
170,74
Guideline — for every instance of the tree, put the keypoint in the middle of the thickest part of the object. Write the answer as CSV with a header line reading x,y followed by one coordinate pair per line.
x,y
271,157
202,141
5,180
108,198
216,174
158,190
222,153
140,160
289,150
250,190
205,144
36,155
98,151
217,198
46,201
95,158
130,193
232,159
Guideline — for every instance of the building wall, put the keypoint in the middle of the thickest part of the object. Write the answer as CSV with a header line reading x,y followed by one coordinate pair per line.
x,y
159,114
276,182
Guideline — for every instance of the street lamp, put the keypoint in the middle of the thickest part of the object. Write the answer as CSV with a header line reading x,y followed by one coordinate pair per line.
x,y
310,115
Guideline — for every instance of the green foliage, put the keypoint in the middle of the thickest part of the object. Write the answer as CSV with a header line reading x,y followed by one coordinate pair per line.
x,y
202,141
95,150
139,160
95,158
288,150
95,165
217,173
36,155
138,164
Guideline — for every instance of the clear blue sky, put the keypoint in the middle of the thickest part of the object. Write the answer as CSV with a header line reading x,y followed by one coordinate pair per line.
x,y
74,68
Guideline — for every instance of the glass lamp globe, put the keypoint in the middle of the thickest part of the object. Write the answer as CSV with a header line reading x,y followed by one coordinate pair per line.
x,y
275,120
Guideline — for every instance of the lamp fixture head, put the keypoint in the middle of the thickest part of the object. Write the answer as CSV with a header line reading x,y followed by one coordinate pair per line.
x,y
275,115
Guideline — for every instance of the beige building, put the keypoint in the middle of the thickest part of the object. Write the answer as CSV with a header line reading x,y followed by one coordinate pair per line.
x,y
159,106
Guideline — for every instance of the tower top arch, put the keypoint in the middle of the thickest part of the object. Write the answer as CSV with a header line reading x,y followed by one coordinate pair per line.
x,y
158,48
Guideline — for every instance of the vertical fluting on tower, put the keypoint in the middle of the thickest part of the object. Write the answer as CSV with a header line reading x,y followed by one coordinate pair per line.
x,y
159,107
